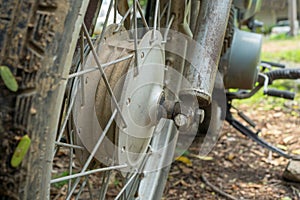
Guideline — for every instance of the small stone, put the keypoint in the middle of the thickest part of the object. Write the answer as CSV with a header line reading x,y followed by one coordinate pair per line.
x,y
292,171
33,111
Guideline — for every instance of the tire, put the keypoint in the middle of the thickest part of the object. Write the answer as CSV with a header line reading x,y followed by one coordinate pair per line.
x,y
36,44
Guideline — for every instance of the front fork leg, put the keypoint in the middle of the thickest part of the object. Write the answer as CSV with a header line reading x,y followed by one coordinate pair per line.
x,y
209,33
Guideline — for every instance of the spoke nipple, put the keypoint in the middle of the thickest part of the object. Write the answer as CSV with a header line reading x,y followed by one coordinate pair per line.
x,y
181,120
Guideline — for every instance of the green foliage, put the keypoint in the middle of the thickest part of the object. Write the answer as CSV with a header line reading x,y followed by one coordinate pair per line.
x,y
62,183
268,102
283,36
8,78
286,55
143,3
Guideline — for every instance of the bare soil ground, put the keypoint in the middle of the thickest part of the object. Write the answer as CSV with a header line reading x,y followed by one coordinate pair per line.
x,y
280,45
240,167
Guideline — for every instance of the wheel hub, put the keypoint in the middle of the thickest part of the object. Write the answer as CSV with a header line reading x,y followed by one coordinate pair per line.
x,y
142,89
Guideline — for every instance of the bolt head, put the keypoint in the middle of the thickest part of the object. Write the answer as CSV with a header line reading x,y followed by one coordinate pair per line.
x,y
181,120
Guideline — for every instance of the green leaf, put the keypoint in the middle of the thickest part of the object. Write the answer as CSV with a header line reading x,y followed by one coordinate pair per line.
x,y
184,160
8,78
20,151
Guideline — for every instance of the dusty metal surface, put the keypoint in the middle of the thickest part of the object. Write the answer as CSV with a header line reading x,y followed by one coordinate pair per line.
x,y
213,22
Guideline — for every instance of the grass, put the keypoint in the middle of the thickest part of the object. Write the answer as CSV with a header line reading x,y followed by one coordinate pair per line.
x,y
287,55
268,102
282,52
62,183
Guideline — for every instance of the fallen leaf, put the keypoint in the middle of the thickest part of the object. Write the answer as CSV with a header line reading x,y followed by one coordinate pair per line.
x,y
297,151
184,160
283,147
207,158
285,198
230,156
289,140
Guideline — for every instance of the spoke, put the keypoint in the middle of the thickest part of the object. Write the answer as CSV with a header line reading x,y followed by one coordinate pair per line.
x,y
168,28
81,188
86,71
65,178
103,75
142,15
155,19
70,161
81,66
104,186
115,11
136,71
103,134
169,12
98,41
74,92
69,145
123,19
127,184
164,10
156,15
90,190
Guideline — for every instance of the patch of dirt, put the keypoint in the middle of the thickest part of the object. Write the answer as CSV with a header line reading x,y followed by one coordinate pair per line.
x,y
236,165
239,166
280,45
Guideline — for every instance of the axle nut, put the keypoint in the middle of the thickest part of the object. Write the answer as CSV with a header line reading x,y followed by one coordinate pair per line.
x,y
181,120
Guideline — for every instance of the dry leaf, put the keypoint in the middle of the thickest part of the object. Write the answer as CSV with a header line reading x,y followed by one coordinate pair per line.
x,y
289,140
207,158
297,151
283,147
230,156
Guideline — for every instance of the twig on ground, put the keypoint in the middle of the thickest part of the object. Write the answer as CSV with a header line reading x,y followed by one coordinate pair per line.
x,y
296,192
216,189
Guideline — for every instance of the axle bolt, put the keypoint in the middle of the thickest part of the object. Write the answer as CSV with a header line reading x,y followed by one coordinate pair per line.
x,y
180,120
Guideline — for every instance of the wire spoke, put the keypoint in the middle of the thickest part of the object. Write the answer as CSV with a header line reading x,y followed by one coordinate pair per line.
x,y
69,110
136,64
126,185
81,188
99,40
82,61
91,156
168,28
123,19
86,71
70,161
104,186
69,145
103,75
81,174
156,15
169,11
164,10
142,15
90,190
